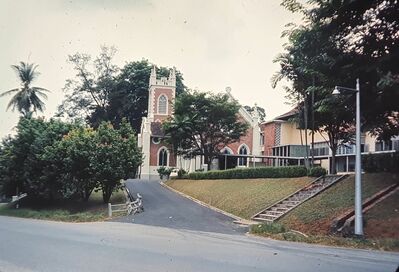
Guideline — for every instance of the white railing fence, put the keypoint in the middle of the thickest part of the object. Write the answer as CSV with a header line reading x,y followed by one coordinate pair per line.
x,y
131,207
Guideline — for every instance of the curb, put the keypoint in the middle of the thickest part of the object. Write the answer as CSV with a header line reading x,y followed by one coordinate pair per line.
x,y
238,220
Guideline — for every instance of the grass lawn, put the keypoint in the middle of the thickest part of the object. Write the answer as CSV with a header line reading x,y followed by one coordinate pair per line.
x,y
241,197
68,211
382,215
315,215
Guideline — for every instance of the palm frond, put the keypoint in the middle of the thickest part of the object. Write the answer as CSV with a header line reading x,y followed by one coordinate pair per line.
x,y
9,92
37,91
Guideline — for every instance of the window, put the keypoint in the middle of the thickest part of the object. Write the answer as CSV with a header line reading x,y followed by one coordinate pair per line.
x,y
242,161
262,139
162,104
156,140
163,157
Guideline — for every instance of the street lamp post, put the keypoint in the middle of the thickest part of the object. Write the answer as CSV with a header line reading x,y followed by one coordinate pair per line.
x,y
358,163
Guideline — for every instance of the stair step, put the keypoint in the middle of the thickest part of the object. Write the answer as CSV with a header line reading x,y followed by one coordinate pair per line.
x,y
285,205
291,201
262,219
275,213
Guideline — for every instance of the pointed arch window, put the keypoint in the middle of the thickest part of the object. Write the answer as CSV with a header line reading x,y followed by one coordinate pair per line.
x,y
162,104
242,161
163,157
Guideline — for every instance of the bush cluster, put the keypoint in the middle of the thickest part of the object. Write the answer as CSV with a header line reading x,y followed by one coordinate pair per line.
x,y
53,160
317,171
244,173
384,162
164,172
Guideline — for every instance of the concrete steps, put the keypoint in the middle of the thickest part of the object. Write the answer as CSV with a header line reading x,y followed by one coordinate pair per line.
x,y
282,207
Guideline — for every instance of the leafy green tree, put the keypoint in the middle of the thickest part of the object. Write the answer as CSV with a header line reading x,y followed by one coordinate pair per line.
x,y
101,91
22,168
332,48
116,156
26,99
70,161
261,112
129,98
203,123
88,92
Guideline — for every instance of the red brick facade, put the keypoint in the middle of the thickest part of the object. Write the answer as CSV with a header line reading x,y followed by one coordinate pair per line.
x,y
154,150
269,131
246,139
169,94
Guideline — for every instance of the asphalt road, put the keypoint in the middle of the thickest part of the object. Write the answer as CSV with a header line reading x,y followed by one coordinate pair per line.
x,y
164,208
33,245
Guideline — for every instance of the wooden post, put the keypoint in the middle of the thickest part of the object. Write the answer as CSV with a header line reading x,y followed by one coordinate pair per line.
x,y
109,210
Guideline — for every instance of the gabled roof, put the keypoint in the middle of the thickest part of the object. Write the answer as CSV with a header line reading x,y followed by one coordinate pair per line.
x,y
288,114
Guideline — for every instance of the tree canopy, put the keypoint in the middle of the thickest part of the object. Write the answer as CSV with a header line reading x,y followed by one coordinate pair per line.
x,y
27,99
338,42
53,160
101,91
203,123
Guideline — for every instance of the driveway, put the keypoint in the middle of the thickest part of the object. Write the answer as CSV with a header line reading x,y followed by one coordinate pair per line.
x,y
164,208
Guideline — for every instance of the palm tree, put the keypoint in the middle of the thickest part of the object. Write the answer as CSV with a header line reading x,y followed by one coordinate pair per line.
x,y
26,97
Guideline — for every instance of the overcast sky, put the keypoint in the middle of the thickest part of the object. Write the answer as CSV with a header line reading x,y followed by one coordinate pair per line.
x,y
213,43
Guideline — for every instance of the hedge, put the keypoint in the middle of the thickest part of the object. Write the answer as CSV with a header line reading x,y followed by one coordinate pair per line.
x,y
244,173
317,171
383,162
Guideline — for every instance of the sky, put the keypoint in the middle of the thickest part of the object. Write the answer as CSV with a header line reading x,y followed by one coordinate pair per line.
x,y
214,43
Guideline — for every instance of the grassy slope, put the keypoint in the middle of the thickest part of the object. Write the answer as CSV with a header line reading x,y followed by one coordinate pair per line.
x,y
382,221
315,215
70,211
241,197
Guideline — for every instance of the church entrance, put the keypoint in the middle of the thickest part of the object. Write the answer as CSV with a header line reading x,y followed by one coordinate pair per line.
x,y
227,162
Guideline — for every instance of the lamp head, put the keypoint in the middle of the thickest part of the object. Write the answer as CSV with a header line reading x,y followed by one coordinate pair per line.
x,y
336,91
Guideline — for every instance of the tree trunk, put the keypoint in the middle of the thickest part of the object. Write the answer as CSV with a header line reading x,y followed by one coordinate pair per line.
x,y
333,170
107,192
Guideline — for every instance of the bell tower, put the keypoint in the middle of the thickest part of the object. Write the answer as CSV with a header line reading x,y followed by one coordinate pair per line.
x,y
161,95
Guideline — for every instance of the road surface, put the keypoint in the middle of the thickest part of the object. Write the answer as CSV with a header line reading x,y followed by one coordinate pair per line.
x,y
164,208
34,245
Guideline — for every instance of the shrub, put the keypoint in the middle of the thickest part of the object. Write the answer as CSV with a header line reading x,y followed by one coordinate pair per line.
x,y
164,172
317,171
245,173
385,162
181,173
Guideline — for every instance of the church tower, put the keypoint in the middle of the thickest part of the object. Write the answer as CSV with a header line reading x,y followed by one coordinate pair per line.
x,y
161,98
161,95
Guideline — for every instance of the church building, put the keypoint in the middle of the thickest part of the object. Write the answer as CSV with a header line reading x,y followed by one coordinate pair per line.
x,y
161,97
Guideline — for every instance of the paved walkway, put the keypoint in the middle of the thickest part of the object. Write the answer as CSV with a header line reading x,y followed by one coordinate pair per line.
x,y
165,208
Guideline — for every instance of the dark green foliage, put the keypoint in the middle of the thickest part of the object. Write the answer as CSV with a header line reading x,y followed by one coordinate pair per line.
x,y
273,228
248,173
22,167
181,173
108,93
203,123
164,172
55,160
385,162
260,111
338,42
317,171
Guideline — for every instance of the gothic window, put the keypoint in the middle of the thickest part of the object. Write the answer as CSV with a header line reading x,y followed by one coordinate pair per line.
x,y
242,161
163,157
162,104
